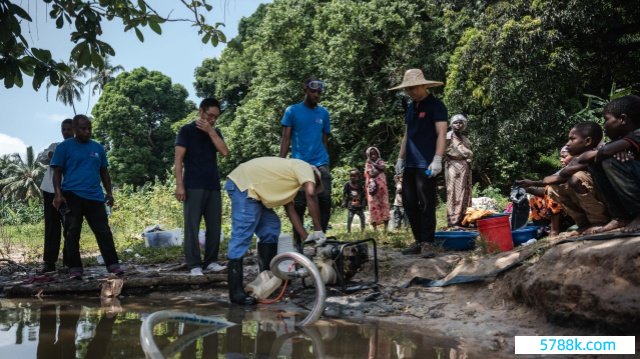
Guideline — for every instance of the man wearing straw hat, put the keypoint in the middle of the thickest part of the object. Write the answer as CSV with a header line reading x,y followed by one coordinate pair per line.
x,y
420,158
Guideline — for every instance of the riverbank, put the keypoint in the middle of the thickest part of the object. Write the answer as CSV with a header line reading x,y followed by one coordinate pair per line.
x,y
559,286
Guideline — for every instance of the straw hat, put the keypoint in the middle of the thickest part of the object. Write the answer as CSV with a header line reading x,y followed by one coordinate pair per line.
x,y
414,77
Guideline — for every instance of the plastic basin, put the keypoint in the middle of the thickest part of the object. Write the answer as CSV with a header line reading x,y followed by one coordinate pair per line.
x,y
456,240
522,235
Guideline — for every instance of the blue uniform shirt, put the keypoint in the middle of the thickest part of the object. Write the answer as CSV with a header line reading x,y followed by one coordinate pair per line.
x,y
81,164
307,127
421,118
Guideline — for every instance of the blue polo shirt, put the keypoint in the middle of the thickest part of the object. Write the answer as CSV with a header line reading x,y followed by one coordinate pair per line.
x,y
421,118
201,158
307,127
81,164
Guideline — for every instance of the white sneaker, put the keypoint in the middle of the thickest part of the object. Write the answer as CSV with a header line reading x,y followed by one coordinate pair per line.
x,y
196,272
215,267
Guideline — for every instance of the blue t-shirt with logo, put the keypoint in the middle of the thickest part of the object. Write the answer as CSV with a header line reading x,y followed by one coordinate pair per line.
x,y
307,128
200,159
81,163
421,118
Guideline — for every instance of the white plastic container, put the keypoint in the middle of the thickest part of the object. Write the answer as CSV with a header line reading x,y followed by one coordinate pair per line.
x,y
161,239
285,244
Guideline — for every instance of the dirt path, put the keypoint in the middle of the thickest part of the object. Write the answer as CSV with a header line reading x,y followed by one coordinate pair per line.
x,y
480,315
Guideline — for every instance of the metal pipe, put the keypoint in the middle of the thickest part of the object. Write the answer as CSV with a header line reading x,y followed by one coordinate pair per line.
x,y
310,269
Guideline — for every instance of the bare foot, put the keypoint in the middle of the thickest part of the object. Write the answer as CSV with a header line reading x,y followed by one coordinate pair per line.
x,y
577,232
592,230
613,224
553,233
633,226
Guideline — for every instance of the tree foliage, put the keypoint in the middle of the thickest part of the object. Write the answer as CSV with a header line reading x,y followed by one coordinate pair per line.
x,y
517,69
18,58
21,179
100,77
133,119
357,48
70,87
520,72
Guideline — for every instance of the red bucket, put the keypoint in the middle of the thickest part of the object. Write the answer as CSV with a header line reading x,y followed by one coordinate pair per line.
x,y
497,232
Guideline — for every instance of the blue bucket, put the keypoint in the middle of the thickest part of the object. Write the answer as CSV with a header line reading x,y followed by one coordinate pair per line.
x,y
522,235
456,240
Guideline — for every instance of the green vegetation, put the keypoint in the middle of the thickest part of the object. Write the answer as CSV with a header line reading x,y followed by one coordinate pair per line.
x,y
85,19
133,119
20,180
22,226
519,70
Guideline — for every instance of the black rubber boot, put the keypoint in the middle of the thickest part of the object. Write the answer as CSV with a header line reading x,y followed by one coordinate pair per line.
x,y
266,252
298,245
236,290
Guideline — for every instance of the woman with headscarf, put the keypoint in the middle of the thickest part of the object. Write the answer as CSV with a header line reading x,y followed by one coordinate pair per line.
x,y
376,188
458,155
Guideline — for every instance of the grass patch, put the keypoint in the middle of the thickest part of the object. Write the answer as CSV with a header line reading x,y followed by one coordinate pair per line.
x,y
136,209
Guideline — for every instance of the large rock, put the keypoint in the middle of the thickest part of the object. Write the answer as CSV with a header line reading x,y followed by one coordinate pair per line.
x,y
594,282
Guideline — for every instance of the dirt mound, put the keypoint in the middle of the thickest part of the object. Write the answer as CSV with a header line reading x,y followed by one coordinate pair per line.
x,y
588,282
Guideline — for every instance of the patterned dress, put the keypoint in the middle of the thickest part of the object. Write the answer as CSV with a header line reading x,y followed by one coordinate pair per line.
x,y
458,157
379,200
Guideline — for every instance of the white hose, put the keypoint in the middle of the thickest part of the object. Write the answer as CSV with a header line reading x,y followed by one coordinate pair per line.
x,y
316,342
309,268
146,329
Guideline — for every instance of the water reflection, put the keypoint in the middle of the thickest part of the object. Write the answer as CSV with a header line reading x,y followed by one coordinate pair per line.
x,y
91,329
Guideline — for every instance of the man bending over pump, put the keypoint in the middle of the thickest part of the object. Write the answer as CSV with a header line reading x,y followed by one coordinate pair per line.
x,y
255,188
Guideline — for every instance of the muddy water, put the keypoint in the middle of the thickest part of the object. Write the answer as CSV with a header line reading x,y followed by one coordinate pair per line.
x,y
89,328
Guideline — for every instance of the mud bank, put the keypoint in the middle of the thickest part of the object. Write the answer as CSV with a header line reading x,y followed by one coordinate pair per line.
x,y
584,287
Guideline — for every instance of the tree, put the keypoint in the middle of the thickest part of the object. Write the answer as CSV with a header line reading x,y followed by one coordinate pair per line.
x,y
100,77
519,72
5,160
20,180
18,58
517,69
359,48
233,77
205,78
592,111
69,87
133,119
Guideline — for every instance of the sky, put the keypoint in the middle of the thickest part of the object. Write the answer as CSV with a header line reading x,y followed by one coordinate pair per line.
x,y
27,118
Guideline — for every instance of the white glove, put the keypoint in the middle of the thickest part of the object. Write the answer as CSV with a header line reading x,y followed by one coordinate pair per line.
x,y
436,166
316,236
399,166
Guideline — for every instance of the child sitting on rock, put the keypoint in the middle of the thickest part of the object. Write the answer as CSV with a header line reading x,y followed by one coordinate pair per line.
x,y
616,167
573,186
544,209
